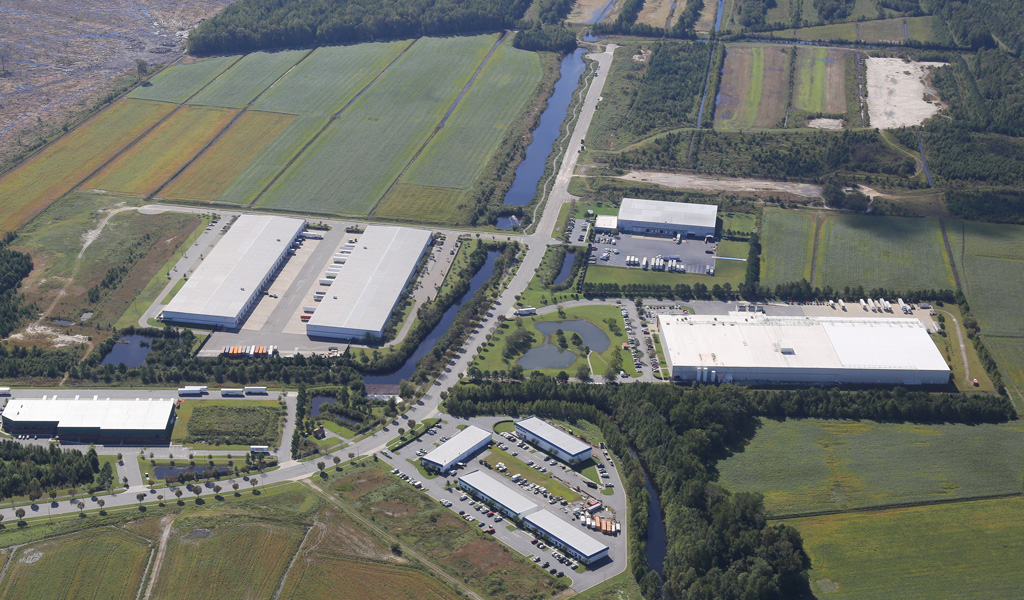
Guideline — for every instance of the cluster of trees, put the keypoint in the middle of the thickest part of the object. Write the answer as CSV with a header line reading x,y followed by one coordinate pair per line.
x,y
14,268
752,12
835,196
553,38
251,25
554,11
833,10
976,23
34,470
720,545
1001,206
670,92
957,154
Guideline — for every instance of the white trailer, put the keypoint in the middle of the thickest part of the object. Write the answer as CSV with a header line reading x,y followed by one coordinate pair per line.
x,y
644,264
232,392
256,389
192,390
5,391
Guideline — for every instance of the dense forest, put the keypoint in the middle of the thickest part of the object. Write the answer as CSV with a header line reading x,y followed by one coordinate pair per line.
x,y
720,544
34,470
14,268
984,91
553,11
249,25
980,23
552,38
1006,206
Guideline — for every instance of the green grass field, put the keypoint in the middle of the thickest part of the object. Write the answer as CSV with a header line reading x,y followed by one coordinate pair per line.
x,y
726,271
327,80
180,82
884,30
809,465
422,204
963,550
100,564
157,157
986,255
459,152
247,78
234,559
320,577
359,156
189,406
887,252
36,183
227,157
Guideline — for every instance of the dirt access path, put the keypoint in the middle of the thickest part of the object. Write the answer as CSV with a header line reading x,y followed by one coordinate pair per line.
x,y
166,523
723,184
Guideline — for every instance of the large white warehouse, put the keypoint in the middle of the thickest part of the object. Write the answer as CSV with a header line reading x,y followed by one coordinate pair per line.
x,y
667,218
456,450
92,419
753,347
368,287
552,440
232,276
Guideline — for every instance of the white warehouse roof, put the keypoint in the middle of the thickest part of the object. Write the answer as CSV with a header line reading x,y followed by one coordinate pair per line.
x,y
362,296
221,288
464,441
569,535
606,222
93,413
499,492
554,436
672,213
753,345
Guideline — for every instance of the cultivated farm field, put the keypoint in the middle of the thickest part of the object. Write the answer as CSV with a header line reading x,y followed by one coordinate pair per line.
x,y
754,88
247,78
96,564
820,80
228,157
919,29
810,465
147,165
320,577
179,83
884,252
360,155
787,246
226,559
962,550
32,186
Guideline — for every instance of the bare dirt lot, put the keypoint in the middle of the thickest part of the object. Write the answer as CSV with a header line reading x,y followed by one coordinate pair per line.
x,y
836,124
65,55
723,184
896,91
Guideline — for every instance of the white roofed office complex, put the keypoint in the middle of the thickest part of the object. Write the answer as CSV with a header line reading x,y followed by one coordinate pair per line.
x,y
484,487
606,223
667,218
753,347
232,276
91,419
457,449
563,535
552,440
367,288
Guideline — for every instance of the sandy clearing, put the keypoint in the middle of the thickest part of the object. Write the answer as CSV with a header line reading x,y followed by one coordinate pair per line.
x,y
42,331
896,92
835,89
655,13
826,123
586,11
723,184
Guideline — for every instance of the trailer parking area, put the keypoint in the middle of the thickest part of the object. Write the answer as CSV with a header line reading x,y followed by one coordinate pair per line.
x,y
694,255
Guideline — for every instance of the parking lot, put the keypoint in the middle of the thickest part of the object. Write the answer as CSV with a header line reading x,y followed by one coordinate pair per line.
x,y
694,256
522,541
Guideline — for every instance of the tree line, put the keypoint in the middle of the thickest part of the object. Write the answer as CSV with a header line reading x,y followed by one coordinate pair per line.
x,y
552,38
14,268
720,544
250,25
34,470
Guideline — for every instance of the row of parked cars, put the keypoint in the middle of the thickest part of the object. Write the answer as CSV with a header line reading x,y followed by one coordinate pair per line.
x,y
414,483
557,556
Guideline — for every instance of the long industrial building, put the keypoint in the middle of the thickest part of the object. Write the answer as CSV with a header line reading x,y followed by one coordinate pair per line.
x,y
457,449
232,276
753,347
569,539
491,491
91,419
360,299
654,217
553,440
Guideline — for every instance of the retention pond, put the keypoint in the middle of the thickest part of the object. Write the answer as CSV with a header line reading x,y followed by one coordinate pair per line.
x,y
551,356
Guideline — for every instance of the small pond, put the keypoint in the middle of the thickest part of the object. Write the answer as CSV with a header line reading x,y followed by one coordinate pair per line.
x,y
566,270
130,350
165,472
319,401
550,356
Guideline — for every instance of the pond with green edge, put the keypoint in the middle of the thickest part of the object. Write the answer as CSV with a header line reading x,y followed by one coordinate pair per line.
x,y
551,355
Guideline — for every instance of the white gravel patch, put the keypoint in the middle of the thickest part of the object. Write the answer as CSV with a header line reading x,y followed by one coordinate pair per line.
x,y
896,92
826,123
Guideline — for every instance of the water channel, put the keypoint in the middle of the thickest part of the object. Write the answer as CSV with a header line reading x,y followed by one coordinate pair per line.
x,y
657,547
566,269
130,350
529,172
550,356
409,366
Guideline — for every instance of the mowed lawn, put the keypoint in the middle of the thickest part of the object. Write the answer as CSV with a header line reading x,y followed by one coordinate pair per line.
x,y
324,82
96,564
147,165
726,271
963,550
787,246
882,252
360,155
809,465
820,85
248,78
458,153
226,559
320,577
754,87
228,156
36,183
180,82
